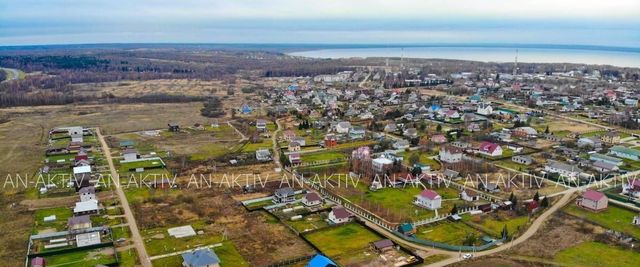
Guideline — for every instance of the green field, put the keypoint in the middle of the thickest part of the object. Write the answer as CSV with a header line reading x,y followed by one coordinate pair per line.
x,y
329,155
227,254
62,214
425,158
252,147
400,200
168,244
453,233
597,255
343,241
614,218
493,226
314,221
80,259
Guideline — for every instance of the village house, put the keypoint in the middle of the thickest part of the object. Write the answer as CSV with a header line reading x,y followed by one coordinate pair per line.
x,y
87,193
439,139
320,260
263,155
339,215
78,223
484,109
381,164
261,125
330,140
382,246
342,127
130,154
410,133
522,159
610,138
490,187
294,158
86,207
284,195
604,167
450,154
357,132
592,142
293,146
525,132
300,140
391,127
288,135
563,169
490,149
38,262
428,199
407,229
632,188
593,200
311,199
401,144
469,195
636,220
202,257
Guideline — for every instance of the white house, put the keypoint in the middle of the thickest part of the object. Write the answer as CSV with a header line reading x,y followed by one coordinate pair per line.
x,y
130,154
381,164
563,169
311,199
340,215
450,154
484,109
86,207
342,127
469,195
429,199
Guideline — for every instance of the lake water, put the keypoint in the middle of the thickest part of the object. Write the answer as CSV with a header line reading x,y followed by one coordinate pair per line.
x,y
488,54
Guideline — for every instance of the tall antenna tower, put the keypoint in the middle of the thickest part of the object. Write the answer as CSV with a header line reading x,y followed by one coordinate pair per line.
x,y
515,65
402,58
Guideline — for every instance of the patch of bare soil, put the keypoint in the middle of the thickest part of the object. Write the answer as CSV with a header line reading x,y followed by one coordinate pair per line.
x,y
559,233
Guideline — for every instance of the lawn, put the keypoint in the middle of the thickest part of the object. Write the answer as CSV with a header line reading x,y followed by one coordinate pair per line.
x,y
211,150
425,158
147,164
227,254
597,254
252,147
62,214
350,238
493,226
329,155
314,221
80,258
400,200
168,244
614,218
453,233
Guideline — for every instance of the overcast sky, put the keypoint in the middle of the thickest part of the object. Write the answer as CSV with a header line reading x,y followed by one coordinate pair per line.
x,y
613,22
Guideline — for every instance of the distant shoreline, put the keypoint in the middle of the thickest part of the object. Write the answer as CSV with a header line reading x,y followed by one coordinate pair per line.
x,y
313,46
498,54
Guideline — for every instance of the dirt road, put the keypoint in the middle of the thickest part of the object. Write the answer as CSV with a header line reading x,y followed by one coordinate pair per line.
x,y
568,196
136,238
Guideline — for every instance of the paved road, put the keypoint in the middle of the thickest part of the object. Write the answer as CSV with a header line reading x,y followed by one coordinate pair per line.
x,y
136,238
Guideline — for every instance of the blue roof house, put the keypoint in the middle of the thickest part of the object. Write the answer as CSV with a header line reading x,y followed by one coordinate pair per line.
x,y
200,258
246,109
320,260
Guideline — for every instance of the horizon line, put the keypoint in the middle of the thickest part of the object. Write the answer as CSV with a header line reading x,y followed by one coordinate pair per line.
x,y
333,45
